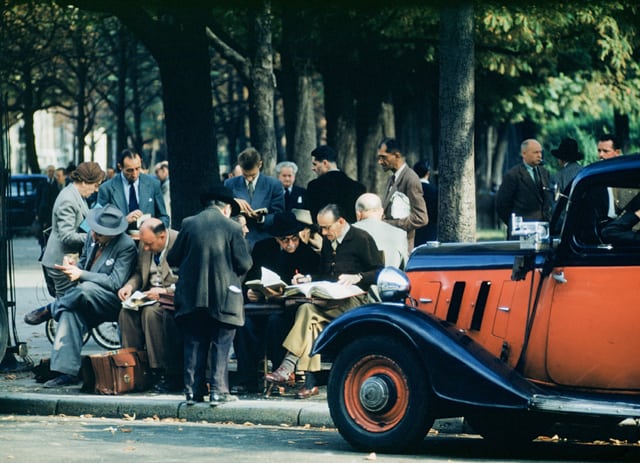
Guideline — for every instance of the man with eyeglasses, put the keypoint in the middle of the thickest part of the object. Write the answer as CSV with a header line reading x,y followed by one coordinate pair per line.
x,y
286,255
349,256
151,327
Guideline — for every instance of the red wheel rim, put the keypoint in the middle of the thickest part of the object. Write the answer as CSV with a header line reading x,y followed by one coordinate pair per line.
x,y
369,367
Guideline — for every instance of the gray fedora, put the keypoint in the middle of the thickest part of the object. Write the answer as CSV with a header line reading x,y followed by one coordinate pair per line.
x,y
107,221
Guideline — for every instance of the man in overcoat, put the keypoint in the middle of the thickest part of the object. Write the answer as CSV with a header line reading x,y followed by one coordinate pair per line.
x,y
213,257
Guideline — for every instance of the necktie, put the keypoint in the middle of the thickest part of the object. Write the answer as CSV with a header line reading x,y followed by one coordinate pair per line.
x,y
133,200
536,176
97,252
250,189
392,181
156,258
287,196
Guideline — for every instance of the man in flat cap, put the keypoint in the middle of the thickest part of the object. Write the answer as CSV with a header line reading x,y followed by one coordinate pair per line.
x,y
107,260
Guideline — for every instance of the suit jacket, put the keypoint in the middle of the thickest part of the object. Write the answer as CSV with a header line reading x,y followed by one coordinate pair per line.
x,y
407,182
213,257
519,194
140,278
268,192
69,211
430,231
392,241
296,200
150,198
334,187
358,253
565,176
113,266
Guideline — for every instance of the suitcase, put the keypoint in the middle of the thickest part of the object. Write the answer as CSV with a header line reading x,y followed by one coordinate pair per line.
x,y
120,371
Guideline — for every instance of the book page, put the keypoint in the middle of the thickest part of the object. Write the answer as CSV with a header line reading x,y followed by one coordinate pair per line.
x,y
137,300
324,290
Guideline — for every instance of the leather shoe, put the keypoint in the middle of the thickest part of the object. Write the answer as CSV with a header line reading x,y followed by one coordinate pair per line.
x,y
38,316
191,399
305,393
279,376
62,381
217,398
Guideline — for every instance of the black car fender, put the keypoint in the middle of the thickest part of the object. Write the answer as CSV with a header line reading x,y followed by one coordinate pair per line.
x,y
460,370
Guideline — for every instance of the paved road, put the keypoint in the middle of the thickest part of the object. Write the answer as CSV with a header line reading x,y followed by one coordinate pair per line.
x,y
65,439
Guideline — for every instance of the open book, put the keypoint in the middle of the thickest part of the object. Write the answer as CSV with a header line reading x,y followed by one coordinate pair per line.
x,y
269,279
136,300
323,290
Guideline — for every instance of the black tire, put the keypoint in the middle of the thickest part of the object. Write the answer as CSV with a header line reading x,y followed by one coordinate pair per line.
x,y
379,395
50,330
107,335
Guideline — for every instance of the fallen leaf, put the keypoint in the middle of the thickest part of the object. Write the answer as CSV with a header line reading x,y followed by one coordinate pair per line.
x,y
248,423
371,457
128,417
129,449
126,430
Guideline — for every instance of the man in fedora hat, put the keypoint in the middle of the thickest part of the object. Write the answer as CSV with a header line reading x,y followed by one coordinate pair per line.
x,y
285,254
568,157
107,260
213,257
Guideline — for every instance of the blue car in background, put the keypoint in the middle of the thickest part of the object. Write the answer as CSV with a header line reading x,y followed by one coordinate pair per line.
x,y
21,201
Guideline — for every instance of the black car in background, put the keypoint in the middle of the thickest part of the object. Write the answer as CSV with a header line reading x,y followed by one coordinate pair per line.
x,y
21,201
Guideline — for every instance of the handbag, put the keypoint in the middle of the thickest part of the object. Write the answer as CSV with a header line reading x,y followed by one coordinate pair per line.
x,y
120,371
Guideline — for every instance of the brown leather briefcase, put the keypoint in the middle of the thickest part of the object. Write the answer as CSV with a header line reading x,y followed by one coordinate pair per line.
x,y
120,371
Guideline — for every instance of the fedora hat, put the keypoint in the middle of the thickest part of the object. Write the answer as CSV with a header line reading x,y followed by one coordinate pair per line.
x,y
108,220
220,193
568,150
285,224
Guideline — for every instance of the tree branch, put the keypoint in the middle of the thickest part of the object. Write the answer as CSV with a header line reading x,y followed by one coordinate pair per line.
x,y
236,59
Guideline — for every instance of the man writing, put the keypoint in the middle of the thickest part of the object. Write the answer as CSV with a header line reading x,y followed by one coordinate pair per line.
x,y
349,256
152,327
106,262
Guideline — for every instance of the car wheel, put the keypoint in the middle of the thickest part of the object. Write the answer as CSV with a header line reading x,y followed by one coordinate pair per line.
x,y
379,395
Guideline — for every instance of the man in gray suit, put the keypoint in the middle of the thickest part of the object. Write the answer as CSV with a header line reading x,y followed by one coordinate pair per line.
x,y
213,258
392,241
151,327
107,260
133,192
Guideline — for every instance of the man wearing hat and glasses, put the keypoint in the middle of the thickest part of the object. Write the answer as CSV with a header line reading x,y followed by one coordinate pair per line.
x,y
213,257
286,255
107,260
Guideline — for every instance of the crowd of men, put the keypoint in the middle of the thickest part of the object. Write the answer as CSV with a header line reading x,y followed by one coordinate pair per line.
x,y
332,230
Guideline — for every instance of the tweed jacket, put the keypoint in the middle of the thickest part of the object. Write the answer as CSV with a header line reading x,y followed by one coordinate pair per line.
x,y
213,257
268,192
69,211
140,278
150,198
407,182
113,266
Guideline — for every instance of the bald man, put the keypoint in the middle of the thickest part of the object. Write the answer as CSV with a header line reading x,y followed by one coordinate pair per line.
x,y
392,241
152,327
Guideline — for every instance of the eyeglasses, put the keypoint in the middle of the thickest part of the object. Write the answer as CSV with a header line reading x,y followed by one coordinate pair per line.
x,y
326,227
286,239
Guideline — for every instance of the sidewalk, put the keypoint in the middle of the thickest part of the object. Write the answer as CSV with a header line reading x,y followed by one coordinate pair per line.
x,y
20,394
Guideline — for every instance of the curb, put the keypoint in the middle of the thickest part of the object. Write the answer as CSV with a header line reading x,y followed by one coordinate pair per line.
x,y
257,412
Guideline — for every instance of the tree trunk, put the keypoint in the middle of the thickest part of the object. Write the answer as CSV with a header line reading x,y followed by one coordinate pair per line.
x,y
304,137
29,135
340,110
262,84
121,105
81,116
621,129
456,209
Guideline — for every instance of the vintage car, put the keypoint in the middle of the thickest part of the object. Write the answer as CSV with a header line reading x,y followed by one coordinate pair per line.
x,y
515,336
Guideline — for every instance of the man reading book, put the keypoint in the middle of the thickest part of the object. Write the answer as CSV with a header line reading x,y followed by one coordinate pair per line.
x,y
349,256
150,327
286,255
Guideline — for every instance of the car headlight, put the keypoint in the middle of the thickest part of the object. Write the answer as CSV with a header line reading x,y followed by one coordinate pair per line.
x,y
393,285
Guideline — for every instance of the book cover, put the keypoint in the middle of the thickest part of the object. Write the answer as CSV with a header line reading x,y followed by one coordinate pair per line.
x,y
323,290
269,279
